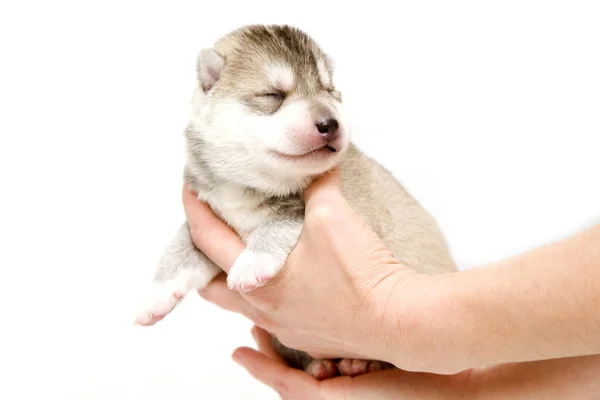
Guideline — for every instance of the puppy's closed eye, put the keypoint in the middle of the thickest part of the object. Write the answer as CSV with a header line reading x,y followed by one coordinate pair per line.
x,y
267,102
274,95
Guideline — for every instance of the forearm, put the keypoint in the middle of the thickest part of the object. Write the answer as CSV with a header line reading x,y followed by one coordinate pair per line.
x,y
567,378
540,305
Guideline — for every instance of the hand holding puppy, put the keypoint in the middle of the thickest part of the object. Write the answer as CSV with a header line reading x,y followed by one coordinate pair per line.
x,y
343,294
333,298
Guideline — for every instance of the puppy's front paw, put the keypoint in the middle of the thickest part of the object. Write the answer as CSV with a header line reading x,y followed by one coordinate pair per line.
x,y
161,300
164,296
252,270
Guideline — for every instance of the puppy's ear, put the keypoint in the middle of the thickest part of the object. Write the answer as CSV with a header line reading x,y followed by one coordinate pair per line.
x,y
208,68
330,63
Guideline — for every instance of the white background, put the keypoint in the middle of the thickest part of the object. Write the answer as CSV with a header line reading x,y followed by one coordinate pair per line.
x,y
488,113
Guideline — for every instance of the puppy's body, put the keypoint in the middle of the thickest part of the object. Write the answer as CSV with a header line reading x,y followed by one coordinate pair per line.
x,y
266,120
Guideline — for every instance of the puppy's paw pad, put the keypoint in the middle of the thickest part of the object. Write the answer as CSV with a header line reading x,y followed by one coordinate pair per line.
x,y
149,319
321,369
161,300
252,270
354,367
155,311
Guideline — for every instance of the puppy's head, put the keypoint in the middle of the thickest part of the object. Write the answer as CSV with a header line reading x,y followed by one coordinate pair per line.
x,y
266,113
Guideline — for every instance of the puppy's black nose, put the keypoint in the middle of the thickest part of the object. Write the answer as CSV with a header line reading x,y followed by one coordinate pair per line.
x,y
328,128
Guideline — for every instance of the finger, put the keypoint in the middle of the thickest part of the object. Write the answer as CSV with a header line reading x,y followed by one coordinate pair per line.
x,y
279,377
219,294
386,384
397,384
209,233
264,341
324,187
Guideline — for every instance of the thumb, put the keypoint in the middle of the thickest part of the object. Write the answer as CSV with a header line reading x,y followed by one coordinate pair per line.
x,y
287,382
324,189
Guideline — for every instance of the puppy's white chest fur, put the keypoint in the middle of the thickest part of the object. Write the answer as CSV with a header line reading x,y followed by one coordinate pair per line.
x,y
242,210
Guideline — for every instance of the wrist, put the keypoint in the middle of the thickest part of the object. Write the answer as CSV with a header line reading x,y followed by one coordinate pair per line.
x,y
561,378
424,324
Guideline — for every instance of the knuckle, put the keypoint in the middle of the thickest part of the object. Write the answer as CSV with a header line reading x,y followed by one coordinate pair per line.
x,y
268,298
281,387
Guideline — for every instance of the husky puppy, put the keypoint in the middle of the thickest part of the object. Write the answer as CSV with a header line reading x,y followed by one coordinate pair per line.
x,y
266,120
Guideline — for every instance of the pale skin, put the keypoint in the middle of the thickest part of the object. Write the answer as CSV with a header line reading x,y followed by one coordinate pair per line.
x,y
567,378
534,315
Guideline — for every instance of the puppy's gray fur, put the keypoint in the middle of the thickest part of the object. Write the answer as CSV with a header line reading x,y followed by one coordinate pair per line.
x,y
252,87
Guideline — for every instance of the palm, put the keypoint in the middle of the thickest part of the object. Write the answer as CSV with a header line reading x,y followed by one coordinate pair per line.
x,y
396,384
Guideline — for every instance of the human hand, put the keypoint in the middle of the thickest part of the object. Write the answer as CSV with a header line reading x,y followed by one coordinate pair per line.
x,y
339,292
266,366
564,378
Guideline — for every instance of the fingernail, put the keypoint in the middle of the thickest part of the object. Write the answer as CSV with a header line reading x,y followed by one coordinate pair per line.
x,y
237,357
